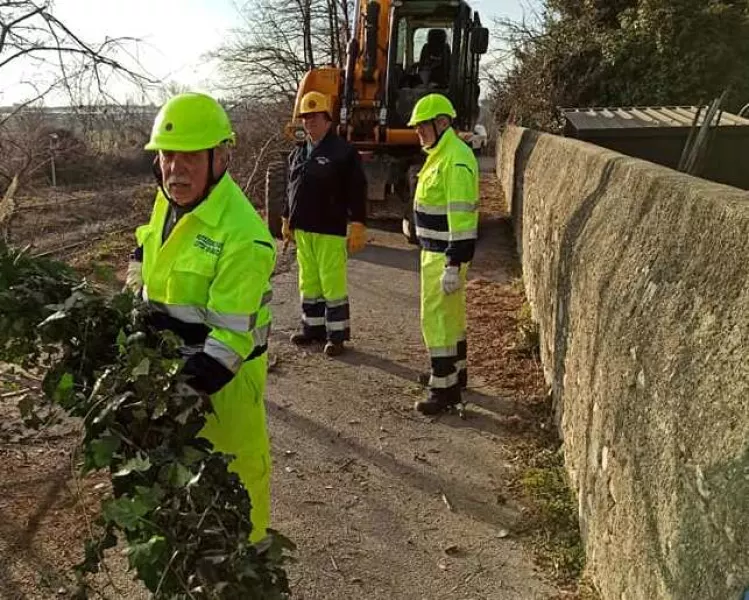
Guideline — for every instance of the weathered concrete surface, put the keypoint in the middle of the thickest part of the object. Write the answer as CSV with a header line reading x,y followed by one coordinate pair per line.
x,y
639,279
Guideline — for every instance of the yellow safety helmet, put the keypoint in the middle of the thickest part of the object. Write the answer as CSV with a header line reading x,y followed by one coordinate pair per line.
x,y
190,122
315,102
430,107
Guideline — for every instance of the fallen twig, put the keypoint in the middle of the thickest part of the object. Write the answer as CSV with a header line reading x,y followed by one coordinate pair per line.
x,y
88,240
15,393
447,502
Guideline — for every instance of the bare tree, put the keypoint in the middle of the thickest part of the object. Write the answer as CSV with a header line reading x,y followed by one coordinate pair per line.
x,y
32,37
30,32
268,55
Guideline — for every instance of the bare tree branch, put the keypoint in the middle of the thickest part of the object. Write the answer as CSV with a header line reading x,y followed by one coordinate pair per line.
x,y
30,32
268,55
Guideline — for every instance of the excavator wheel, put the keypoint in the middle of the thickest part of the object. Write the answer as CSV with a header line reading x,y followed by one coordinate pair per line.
x,y
275,196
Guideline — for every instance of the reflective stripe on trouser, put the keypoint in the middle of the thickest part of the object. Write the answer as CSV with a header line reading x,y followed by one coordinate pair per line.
x,y
443,324
238,426
322,263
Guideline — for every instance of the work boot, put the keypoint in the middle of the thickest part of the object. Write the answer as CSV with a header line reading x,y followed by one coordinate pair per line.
x,y
439,402
333,349
300,338
462,378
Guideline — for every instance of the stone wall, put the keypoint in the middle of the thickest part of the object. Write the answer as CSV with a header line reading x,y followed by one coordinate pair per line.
x,y
639,279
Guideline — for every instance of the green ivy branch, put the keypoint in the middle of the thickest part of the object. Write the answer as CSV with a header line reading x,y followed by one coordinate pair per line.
x,y
183,517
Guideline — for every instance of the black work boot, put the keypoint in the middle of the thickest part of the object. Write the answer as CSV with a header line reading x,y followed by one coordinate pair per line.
x,y
301,338
439,401
333,349
463,379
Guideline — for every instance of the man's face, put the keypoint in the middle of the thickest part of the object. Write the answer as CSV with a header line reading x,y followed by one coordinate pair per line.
x,y
426,133
185,174
316,125
429,131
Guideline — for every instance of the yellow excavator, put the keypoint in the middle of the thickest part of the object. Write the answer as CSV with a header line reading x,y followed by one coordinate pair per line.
x,y
400,50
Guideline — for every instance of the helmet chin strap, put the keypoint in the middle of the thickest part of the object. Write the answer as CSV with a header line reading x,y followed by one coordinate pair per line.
x,y
437,135
159,175
210,180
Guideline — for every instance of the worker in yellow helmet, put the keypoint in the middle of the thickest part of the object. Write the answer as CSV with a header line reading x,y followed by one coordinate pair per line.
x,y
203,264
446,218
325,215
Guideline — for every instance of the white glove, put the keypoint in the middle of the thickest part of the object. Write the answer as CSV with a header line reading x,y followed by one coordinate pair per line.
x,y
134,277
451,279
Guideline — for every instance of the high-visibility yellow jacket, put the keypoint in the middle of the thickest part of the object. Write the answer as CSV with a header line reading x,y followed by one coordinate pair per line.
x,y
209,282
446,199
211,277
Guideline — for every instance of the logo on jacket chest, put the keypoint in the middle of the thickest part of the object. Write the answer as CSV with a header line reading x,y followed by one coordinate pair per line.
x,y
211,246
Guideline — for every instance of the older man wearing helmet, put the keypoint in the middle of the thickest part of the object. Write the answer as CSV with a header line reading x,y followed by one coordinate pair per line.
x,y
446,217
203,264
326,204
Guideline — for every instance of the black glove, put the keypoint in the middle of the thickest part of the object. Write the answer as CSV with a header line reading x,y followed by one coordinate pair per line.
x,y
205,373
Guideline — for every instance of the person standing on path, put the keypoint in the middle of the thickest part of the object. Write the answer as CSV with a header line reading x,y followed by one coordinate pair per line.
x,y
446,218
325,215
203,265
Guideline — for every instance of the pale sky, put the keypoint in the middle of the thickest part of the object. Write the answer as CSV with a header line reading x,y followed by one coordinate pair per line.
x,y
175,34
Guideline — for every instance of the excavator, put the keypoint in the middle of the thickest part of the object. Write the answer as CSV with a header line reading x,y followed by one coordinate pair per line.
x,y
399,51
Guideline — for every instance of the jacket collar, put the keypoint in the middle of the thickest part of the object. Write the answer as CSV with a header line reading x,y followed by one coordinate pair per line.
x,y
321,142
210,210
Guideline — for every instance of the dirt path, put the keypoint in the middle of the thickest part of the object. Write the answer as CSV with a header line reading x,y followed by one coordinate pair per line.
x,y
382,503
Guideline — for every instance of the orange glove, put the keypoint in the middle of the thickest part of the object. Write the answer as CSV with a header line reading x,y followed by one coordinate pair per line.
x,y
286,233
357,237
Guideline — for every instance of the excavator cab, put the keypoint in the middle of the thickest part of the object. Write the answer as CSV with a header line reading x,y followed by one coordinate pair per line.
x,y
422,66
400,50
435,48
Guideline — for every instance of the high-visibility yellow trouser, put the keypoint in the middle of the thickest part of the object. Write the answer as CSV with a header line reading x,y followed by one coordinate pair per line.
x,y
238,426
443,324
323,285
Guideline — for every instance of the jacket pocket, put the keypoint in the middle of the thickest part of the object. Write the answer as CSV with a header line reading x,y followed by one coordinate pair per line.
x,y
429,188
190,280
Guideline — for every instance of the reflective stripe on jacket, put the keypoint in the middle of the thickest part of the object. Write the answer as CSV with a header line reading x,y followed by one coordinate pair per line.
x,y
446,199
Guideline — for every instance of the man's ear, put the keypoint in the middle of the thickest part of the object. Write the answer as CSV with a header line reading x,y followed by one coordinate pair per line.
x,y
221,158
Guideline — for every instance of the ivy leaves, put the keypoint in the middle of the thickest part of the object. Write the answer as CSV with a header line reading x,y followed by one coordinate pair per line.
x,y
182,515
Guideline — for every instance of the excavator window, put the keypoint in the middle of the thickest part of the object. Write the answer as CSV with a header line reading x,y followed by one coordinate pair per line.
x,y
422,62
422,54
434,56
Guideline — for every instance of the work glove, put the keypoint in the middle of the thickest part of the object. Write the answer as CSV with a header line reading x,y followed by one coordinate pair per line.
x,y
357,237
134,277
451,279
185,390
286,233
206,374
